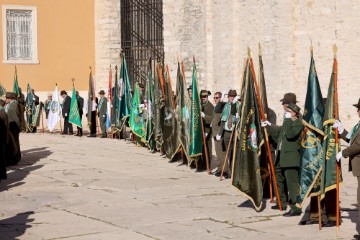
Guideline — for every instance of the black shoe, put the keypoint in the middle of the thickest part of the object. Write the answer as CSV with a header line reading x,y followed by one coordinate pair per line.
x,y
91,135
76,135
276,207
357,236
330,223
292,213
311,222
217,174
103,136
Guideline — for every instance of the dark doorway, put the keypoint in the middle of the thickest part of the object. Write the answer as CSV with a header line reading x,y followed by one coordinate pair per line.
x,y
141,35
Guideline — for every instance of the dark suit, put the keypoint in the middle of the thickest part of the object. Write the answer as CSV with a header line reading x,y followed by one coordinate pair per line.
x,y
14,127
65,113
287,161
21,101
3,142
219,145
93,119
80,102
208,109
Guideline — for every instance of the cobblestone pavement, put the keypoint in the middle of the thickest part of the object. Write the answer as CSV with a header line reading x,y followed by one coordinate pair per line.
x,y
67,187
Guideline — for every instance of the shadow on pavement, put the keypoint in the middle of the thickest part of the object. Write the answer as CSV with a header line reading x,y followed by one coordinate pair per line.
x,y
13,227
249,204
353,216
24,167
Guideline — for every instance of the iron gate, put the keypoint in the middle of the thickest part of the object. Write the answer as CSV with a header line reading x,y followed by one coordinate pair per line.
x,y
141,35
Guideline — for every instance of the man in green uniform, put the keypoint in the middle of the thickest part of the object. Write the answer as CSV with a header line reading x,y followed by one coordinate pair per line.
x,y
207,111
287,161
353,153
102,113
229,118
12,110
215,125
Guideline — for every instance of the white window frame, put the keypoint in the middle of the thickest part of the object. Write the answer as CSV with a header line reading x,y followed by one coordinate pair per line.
x,y
34,59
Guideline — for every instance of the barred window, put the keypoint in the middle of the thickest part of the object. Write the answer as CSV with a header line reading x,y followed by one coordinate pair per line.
x,y
19,29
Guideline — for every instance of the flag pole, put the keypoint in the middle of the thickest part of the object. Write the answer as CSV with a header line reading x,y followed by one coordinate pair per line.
x,y
269,167
203,136
336,113
265,131
42,122
182,149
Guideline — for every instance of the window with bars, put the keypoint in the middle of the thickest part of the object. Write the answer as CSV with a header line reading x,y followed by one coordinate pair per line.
x,y
19,30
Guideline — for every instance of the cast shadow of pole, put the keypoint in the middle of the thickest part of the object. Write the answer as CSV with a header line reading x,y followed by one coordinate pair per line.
x,y
353,216
249,204
27,164
13,227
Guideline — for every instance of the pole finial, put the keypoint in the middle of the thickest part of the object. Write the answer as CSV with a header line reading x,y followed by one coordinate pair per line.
x,y
249,52
194,59
260,50
335,50
311,48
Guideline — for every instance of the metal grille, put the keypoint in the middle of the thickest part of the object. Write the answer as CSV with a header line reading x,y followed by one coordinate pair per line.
x,y
141,35
19,34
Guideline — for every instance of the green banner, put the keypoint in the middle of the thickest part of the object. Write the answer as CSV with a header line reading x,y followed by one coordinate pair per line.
x,y
246,172
170,136
91,98
30,108
125,94
74,116
115,102
136,120
183,109
158,107
312,153
195,122
16,85
328,174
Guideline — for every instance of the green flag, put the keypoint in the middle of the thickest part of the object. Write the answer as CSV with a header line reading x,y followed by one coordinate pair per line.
x,y
125,94
16,85
170,133
328,174
195,121
158,106
30,108
136,120
74,116
249,140
2,90
311,155
115,101
183,109
149,119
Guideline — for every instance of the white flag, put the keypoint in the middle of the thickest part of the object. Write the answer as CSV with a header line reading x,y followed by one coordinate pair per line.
x,y
55,111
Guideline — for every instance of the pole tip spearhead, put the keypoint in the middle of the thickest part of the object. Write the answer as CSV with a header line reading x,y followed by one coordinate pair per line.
x,y
335,50
249,52
260,50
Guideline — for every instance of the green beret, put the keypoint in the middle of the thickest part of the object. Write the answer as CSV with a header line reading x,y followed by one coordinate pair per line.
x,y
294,107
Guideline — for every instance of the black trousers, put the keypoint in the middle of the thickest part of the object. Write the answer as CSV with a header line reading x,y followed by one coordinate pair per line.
x,y
2,161
15,130
79,129
67,126
93,123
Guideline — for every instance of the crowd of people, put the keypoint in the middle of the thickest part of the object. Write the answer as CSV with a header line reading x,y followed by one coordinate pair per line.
x,y
219,119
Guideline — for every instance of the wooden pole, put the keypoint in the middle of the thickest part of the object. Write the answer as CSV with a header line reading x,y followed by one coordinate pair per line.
x,y
227,154
265,131
336,115
270,184
170,85
319,211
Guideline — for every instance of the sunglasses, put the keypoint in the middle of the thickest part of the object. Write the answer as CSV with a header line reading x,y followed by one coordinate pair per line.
x,y
216,97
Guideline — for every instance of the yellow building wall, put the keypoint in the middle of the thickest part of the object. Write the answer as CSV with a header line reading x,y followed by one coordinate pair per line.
x,y
65,42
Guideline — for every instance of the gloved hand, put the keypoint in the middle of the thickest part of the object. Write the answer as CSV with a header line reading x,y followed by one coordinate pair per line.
x,y
339,156
206,134
236,99
141,105
237,116
339,126
104,116
218,137
66,114
202,114
265,123
287,115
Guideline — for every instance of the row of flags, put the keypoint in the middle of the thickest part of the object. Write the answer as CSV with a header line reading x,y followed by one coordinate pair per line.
x,y
173,124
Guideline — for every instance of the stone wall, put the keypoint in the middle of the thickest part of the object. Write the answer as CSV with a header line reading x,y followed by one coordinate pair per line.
x,y
107,40
218,32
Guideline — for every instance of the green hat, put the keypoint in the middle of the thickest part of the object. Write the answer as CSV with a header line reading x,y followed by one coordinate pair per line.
x,y
294,107
358,104
289,98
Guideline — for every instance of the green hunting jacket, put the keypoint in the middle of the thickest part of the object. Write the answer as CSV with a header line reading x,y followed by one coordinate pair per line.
x,y
288,139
